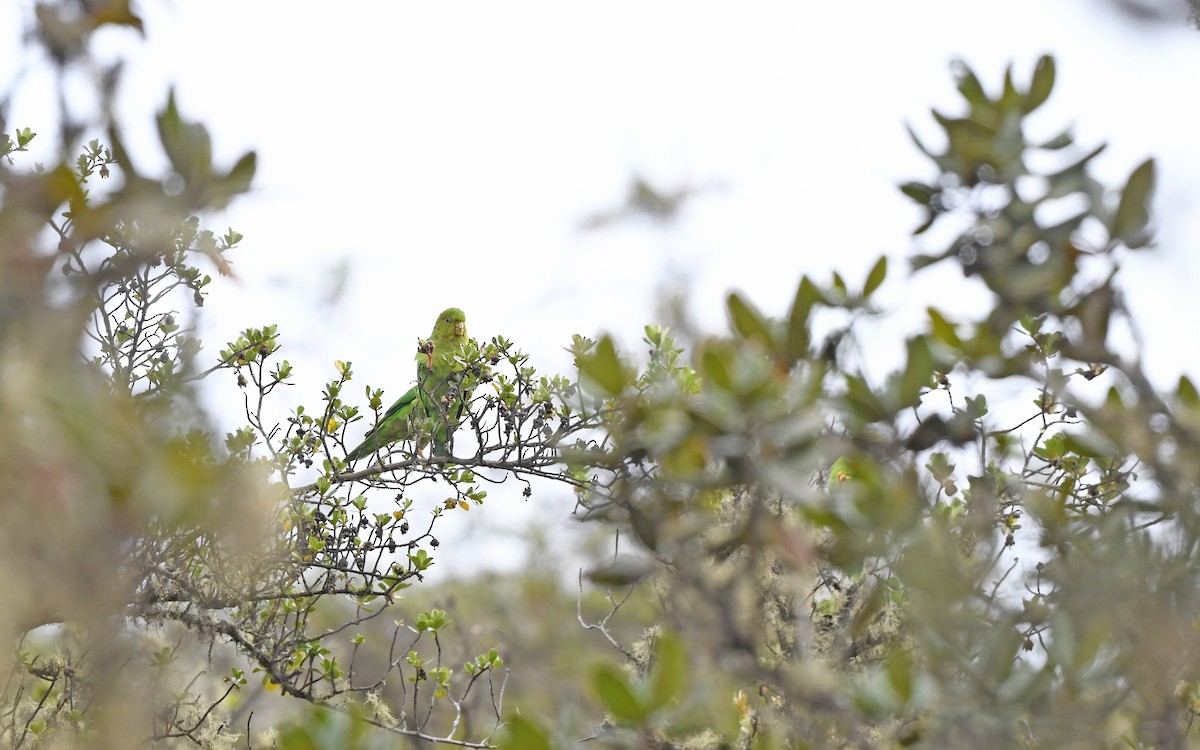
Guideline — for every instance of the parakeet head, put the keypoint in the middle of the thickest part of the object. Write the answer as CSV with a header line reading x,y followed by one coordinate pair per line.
x,y
451,324
842,471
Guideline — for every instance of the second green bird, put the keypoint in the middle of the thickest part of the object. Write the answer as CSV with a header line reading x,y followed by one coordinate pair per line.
x,y
436,397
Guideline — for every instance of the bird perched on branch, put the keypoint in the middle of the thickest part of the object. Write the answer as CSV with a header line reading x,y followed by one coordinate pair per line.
x,y
437,397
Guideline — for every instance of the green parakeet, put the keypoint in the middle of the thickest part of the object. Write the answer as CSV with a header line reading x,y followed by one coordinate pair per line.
x,y
842,471
435,396
854,469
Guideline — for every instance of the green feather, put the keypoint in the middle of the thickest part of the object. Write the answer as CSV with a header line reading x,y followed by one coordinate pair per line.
x,y
842,470
434,399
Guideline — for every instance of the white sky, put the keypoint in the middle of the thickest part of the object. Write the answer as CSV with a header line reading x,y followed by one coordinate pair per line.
x,y
445,153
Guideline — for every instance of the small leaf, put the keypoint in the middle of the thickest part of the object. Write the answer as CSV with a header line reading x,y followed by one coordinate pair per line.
x,y
522,734
919,144
918,373
715,366
1011,98
616,695
1088,445
939,466
798,336
1094,311
942,329
969,85
670,668
1041,85
1133,211
868,611
604,367
976,407
117,13
923,260
747,321
863,402
237,181
1187,394
623,571
1062,140
876,276
919,192
187,144
899,670
925,225
839,284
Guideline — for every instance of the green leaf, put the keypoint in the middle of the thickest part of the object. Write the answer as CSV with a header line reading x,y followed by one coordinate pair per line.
x,y
918,143
434,619
715,366
1094,311
1113,400
863,402
919,192
1088,444
1011,98
522,734
798,336
876,276
1041,85
747,321
976,407
188,145
867,614
918,373
839,285
1186,392
117,13
237,182
925,225
604,367
939,466
1133,211
899,668
1053,448
942,329
670,668
619,572
969,85
615,693
1062,140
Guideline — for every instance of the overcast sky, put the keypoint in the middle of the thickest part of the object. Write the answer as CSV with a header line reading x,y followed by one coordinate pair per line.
x,y
432,155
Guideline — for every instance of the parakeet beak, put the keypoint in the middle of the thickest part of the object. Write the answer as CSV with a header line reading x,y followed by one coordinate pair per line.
x,y
460,329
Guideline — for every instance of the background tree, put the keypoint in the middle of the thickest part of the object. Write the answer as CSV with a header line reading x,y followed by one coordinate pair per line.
x,y
156,573
962,579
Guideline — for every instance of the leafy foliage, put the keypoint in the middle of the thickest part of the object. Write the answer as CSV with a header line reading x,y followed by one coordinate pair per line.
x,y
949,580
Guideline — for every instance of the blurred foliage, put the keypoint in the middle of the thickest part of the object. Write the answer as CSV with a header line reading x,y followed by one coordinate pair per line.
x,y
802,555
959,573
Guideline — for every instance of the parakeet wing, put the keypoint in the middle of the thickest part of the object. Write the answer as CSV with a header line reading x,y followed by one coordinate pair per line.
x,y
392,426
